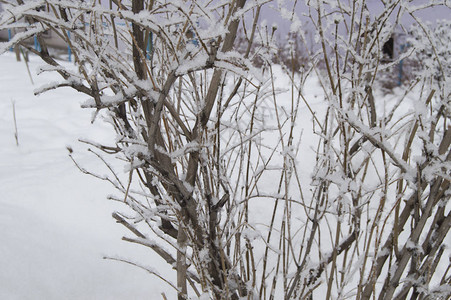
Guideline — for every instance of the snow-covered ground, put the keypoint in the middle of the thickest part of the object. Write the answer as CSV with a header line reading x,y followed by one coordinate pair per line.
x,y
55,222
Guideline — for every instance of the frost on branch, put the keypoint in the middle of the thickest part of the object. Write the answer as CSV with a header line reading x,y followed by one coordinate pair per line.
x,y
256,180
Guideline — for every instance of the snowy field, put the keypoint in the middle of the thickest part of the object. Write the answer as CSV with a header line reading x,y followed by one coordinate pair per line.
x,y
55,222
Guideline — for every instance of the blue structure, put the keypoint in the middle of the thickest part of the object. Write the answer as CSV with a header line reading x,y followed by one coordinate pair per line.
x,y
69,51
150,46
9,38
37,46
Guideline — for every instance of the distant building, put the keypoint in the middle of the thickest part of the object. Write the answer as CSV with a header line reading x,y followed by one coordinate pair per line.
x,y
52,39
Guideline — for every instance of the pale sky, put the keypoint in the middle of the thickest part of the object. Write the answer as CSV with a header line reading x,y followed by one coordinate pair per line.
x,y
271,15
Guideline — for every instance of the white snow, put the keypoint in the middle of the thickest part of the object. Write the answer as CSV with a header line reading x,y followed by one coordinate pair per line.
x,y
55,222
